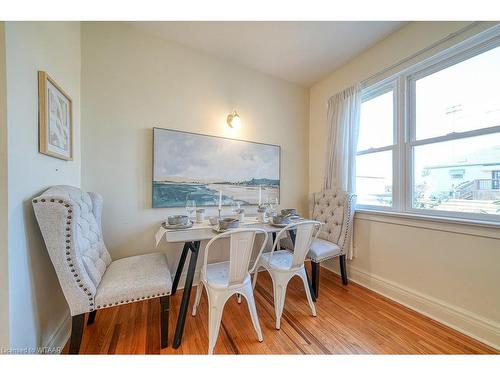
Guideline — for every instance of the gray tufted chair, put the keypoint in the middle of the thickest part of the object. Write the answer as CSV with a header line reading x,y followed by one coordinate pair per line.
x,y
335,210
70,222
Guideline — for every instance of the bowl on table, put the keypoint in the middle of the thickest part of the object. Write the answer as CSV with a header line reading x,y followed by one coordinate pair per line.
x,y
280,220
288,212
228,223
178,220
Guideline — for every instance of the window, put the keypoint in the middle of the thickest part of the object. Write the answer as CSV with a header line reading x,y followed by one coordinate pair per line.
x,y
375,148
429,137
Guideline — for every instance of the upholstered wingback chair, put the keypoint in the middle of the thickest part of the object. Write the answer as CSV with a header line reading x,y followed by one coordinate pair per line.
x,y
70,222
335,210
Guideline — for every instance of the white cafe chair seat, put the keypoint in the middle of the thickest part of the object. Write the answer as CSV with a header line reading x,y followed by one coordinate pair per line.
x,y
218,275
282,265
280,259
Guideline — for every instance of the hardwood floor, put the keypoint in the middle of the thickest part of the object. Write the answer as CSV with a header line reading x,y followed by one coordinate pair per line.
x,y
351,319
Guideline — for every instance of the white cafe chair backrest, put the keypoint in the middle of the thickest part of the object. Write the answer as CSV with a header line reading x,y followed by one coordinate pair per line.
x,y
241,242
305,233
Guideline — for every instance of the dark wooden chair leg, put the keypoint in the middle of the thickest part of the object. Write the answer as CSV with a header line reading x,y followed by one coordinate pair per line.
x,y
315,279
91,318
165,310
343,269
77,323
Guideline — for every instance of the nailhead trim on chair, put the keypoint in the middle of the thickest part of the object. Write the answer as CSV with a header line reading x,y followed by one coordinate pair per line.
x,y
348,225
68,250
131,300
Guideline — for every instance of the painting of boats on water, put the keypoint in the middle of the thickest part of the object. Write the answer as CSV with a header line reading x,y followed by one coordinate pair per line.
x,y
198,167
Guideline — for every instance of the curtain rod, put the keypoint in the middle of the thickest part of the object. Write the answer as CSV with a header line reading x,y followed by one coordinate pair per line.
x,y
423,50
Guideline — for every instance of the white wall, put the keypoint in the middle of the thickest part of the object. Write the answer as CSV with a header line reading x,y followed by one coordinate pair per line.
x,y
446,271
4,275
132,82
37,306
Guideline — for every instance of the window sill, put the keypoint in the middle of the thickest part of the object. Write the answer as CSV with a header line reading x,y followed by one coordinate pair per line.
x,y
478,228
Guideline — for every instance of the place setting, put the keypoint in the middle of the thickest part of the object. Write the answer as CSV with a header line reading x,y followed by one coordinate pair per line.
x,y
286,217
267,214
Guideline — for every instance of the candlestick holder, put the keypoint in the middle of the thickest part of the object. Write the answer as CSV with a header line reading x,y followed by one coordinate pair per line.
x,y
219,209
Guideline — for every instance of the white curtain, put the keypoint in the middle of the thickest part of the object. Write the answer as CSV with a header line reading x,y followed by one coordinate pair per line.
x,y
343,128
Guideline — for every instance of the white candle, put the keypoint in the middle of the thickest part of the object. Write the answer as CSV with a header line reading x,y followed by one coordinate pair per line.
x,y
220,200
260,195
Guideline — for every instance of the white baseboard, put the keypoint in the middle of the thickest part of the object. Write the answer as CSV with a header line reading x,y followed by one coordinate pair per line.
x,y
61,335
464,321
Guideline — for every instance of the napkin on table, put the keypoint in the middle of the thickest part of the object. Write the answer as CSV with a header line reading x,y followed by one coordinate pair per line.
x,y
159,234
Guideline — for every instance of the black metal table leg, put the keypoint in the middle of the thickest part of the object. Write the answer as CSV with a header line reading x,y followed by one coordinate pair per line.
x,y
180,267
311,287
179,329
293,235
315,280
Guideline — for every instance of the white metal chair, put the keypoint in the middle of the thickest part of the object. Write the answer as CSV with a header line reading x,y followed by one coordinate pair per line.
x,y
282,265
224,279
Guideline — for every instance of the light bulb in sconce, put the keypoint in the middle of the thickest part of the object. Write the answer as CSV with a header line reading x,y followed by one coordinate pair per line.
x,y
233,120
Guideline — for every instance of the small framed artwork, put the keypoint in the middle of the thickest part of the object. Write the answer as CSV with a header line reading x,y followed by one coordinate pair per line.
x,y
55,119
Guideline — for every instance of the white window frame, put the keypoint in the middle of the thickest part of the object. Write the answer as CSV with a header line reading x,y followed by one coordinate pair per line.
x,y
403,84
368,94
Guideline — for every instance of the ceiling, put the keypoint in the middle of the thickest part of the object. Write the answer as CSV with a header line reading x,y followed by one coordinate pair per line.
x,y
301,52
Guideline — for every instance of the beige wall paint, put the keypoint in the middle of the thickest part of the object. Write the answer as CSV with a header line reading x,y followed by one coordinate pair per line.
x,y
37,306
457,270
4,265
132,82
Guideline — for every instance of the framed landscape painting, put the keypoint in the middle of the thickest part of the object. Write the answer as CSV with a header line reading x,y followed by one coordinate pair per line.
x,y
55,119
198,167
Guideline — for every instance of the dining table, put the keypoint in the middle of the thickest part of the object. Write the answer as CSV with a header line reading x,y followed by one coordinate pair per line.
x,y
191,238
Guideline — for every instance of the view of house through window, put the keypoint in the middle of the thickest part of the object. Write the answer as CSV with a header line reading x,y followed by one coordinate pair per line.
x,y
452,150
461,174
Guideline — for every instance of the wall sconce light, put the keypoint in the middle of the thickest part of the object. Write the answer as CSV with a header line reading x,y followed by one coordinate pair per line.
x,y
233,120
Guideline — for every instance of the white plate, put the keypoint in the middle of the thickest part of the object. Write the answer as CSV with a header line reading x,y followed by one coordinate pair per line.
x,y
218,230
279,225
177,226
